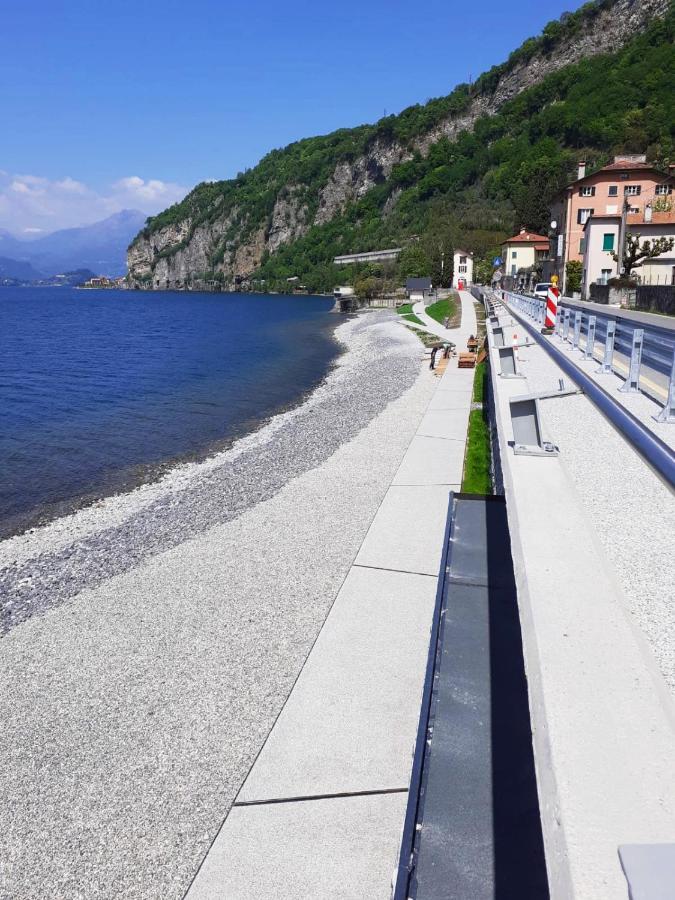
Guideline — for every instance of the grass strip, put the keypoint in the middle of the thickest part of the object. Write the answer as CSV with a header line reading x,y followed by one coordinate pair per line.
x,y
442,310
404,309
411,317
476,478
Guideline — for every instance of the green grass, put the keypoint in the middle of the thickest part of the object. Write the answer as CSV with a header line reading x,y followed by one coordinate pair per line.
x,y
405,309
411,317
442,309
477,460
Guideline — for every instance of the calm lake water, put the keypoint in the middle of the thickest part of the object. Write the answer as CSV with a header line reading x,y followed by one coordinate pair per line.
x,y
100,388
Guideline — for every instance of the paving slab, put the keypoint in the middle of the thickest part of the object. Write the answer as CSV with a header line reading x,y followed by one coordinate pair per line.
x,y
445,425
450,400
406,535
334,849
360,691
430,461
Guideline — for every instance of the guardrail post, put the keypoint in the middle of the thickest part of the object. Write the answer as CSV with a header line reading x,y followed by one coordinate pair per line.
x,y
606,366
558,322
566,324
667,414
632,384
577,329
590,338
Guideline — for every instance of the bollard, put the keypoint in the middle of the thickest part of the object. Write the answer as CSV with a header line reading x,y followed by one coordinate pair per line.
x,y
577,329
566,324
667,414
632,384
606,366
590,338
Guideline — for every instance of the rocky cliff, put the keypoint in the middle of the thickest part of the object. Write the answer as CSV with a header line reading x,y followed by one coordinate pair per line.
x,y
222,237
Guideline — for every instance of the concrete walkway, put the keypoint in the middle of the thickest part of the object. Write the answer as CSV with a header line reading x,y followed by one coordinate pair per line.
x,y
321,812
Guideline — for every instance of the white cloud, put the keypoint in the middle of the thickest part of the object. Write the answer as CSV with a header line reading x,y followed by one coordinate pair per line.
x,y
30,204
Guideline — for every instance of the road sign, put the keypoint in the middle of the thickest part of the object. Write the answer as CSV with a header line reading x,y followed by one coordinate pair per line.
x,y
497,261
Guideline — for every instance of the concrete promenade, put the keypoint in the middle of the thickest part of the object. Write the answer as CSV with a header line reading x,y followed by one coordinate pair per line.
x,y
589,532
321,811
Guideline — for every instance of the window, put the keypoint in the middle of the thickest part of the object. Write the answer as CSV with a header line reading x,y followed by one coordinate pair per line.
x,y
582,245
632,190
462,269
633,210
513,254
663,190
513,270
605,275
613,190
584,215
587,192
462,260
608,242
624,176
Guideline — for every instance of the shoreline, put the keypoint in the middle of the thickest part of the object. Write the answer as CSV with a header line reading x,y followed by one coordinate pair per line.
x,y
47,565
153,691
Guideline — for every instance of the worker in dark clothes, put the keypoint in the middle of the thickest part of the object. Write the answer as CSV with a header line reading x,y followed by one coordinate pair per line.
x,y
432,364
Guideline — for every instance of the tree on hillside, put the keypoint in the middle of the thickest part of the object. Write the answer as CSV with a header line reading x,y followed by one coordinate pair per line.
x,y
414,262
636,254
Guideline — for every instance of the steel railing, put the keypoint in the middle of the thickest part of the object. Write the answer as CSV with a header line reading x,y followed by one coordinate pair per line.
x,y
641,353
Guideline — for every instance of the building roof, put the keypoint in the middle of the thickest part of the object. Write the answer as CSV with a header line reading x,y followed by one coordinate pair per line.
x,y
418,284
623,165
459,251
528,237
667,217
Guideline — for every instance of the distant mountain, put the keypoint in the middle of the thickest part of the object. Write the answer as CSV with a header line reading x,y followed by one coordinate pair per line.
x,y
17,270
101,247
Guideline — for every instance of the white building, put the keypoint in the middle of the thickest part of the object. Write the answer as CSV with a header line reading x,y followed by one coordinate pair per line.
x,y
462,269
601,240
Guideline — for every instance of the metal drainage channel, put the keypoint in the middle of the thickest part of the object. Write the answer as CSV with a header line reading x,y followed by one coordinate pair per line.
x,y
652,449
472,829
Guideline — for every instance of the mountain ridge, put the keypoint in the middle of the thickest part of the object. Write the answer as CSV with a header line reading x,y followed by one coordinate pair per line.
x,y
100,246
232,230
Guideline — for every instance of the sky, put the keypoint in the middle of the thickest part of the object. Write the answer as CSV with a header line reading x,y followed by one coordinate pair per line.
x,y
111,104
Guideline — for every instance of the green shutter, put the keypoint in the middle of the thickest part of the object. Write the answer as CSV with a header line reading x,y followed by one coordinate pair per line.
x,y
608,242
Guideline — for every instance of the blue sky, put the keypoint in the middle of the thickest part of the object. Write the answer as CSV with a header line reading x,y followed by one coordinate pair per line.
x,y
118,103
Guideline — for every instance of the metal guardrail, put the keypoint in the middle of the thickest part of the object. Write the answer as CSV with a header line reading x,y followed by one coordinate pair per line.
x,y
641,353
653,450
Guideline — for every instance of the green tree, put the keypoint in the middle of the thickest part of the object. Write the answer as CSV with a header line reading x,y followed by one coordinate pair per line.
x,y
414,262
573,271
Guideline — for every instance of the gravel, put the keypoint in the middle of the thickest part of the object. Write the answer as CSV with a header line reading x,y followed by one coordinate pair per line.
x,y
42,573
152,641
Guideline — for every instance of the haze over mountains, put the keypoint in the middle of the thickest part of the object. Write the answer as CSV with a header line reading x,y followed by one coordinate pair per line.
x,y
100,247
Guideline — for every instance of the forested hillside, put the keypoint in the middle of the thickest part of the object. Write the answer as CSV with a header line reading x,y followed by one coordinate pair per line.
x,y
463,170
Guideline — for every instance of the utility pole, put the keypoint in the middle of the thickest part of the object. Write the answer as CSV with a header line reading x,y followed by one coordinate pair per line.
x,y
622,235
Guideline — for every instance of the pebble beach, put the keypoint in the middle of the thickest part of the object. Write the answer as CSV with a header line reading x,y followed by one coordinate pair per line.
x,y
150,641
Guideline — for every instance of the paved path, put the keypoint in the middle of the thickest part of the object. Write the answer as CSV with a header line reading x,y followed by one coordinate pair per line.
x,y
321,812
466,328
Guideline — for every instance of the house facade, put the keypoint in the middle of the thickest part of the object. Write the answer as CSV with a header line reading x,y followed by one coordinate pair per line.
x,y
523,253
601,240
602,193
462,269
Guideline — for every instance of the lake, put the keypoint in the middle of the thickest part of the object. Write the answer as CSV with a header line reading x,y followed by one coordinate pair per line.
x,y
100,390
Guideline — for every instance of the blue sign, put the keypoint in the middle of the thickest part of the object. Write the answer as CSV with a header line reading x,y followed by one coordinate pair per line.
x,y
497,261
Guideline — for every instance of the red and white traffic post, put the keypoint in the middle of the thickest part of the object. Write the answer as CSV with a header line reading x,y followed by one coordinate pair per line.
x,y
552,296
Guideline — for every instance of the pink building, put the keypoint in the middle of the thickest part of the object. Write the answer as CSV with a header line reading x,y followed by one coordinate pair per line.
x,y
602,194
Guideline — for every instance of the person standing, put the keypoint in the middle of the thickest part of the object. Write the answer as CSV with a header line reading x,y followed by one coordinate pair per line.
x,y
432,364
